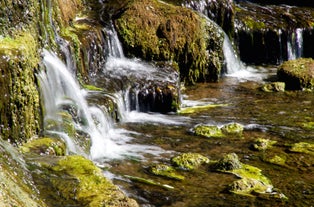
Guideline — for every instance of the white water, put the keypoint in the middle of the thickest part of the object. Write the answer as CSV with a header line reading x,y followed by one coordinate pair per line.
x,y
235,68
60,88
295,45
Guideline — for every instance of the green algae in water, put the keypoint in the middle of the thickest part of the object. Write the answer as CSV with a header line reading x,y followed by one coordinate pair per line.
x,y
165,171
261,144
189,161
195,109
303,147
148,181
47,146
208,131
232,129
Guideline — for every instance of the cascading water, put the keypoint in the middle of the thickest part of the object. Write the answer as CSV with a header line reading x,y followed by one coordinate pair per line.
x,y
295,44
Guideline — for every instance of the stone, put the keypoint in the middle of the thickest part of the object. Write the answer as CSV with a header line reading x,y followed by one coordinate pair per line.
x,y
303,147
45,146
229,162
189,161
208,131
232,129
165,171
274,87
297,74
262,144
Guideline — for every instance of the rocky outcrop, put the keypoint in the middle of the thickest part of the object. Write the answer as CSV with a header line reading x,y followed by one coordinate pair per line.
x,y
297,74
157,31
271,34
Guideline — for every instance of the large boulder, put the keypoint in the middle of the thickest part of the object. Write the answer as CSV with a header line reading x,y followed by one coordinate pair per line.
x,y
297,74
153,30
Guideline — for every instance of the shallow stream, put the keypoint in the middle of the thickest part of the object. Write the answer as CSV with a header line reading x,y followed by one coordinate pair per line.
x,y
285,117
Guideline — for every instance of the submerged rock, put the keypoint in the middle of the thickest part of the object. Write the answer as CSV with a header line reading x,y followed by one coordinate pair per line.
x,y
232,129
75,181
274,87
189,161
261,144
208,131
297,74
165,171
251,183
155,30
303,147
229,162
195,109
44,146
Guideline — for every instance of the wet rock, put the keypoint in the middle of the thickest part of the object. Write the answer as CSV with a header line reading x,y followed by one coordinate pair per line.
x,y
303,147
297,74
261,144
251,183
75,180
208,131
277,160
274,87
44,146
271,34
153,30
195,109
189,161
165,171
17,186
278,2
232,129
229,162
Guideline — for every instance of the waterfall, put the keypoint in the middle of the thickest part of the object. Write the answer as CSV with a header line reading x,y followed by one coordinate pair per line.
x,y
295,44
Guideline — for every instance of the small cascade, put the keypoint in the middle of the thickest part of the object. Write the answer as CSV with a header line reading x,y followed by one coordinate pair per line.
x,y
295,44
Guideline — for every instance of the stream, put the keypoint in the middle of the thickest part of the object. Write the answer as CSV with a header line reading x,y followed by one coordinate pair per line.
x,y
128,147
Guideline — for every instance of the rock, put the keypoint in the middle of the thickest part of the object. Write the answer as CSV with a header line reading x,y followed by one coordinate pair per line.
x,y
303,147
265,34
195,109
262,144
17,185
165,171
45,146
189,161
208,131
297,74
154,30
228,163
277,160
274,87
75,181
232,129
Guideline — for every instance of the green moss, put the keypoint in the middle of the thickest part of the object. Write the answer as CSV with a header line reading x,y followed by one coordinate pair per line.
x,y
261,144
19,108
195,109
88,186
308,125
189,161
47,146
228,162
253,24
165,171
158,31
277,160
274,87
148,181
303,147
208,131
297,74
232,129
92,88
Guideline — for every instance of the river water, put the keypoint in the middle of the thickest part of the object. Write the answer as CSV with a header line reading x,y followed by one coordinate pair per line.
x,y
128,147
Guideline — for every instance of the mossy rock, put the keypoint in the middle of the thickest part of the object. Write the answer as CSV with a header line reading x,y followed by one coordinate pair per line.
x,y
277,160
189,161
297,74
165,171
46,146
227,163
195,109
261,144
17,186
76,181
208,131
154,30
232,129
303,147
274,87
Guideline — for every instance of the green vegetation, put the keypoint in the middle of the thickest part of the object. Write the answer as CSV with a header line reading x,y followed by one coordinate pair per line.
x,y
189,161
165,171
261,144
208,131
47,146
158,31
303,147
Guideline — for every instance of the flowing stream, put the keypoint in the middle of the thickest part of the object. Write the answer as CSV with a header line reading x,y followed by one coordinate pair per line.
x,y
139,139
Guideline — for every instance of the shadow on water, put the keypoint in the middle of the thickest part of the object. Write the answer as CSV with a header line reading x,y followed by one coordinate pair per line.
x,y
284,117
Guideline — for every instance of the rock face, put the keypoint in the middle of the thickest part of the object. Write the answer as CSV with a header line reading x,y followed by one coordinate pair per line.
x,y
157,31
297,74
273,33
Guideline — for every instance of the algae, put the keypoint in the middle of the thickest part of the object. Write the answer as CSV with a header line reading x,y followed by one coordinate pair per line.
x,y
165,171
261,144
208,131
232,129
189,161
195,109
44,146
158,31
303,147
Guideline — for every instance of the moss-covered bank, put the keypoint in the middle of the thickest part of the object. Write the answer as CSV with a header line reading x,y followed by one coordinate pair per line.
x,y
158,31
